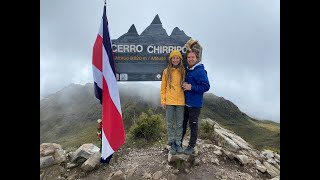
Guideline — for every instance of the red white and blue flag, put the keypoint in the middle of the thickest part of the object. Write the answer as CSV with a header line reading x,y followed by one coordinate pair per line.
x,y
106,90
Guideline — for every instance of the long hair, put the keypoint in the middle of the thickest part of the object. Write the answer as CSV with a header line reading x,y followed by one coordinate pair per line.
x,y
169,73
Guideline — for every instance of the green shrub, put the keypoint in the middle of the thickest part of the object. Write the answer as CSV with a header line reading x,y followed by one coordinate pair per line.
x,y
149,127
206,130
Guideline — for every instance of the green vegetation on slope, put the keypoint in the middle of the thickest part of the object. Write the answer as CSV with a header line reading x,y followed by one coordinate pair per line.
x,y
260,134
75,137
69,117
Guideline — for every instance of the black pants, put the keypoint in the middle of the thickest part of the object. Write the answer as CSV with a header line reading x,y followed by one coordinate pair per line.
x,y
191,115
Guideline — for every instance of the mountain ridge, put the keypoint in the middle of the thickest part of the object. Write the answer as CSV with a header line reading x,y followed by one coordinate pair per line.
x,y
75,107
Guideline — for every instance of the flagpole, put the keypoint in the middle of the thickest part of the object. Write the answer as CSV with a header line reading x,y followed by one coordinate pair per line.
x,y
104,161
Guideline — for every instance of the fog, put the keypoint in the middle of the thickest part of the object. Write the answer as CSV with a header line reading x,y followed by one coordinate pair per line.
x,y
240,40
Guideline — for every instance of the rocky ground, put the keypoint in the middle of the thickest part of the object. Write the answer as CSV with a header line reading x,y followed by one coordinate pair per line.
x,y
146,162
227,157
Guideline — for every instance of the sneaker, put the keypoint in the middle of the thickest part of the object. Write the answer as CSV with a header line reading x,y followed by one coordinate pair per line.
x,y
189,150
179,148
173,149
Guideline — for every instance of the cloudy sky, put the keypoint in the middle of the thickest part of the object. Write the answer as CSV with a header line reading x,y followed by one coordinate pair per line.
x,y
240,39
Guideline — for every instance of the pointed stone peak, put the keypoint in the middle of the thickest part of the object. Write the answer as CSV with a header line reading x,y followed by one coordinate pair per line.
x,y
156,20
176,31
132,29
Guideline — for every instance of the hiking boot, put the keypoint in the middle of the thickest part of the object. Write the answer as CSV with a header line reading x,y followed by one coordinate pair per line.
x,y
179,148
189,150
173,149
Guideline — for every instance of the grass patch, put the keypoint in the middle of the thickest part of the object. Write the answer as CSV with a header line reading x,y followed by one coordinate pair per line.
x,y
272,126
81,134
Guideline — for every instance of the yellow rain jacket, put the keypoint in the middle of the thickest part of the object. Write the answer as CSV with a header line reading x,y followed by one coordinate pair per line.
x,y
175,95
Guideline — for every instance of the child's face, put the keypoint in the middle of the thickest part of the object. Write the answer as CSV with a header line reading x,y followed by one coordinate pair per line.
x,y
175,60
191,59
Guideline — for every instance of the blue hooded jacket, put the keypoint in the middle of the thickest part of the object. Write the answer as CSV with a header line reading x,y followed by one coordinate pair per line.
x,y
197,77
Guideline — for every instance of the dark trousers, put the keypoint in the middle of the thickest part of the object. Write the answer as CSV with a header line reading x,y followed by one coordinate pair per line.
x,y
191,115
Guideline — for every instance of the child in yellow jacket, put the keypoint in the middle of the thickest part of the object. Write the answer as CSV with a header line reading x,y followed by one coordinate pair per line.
x,y
173,100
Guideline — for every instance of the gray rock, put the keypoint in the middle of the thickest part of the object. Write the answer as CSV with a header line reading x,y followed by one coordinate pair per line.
x,y
73,177
225,140
147,176
229,154
271,169
243,159
217,147
85,151
157,175
196,162
217,152
46,161
116,176
71,165
91,163
276,178
131,171
177,157
271,161
215,161
268,153
59,156
260,167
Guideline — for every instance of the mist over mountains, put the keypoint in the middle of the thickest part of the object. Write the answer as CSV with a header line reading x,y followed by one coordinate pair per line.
x,y
69,116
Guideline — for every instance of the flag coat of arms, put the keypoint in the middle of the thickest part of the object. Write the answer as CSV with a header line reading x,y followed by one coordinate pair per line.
x,y
106,90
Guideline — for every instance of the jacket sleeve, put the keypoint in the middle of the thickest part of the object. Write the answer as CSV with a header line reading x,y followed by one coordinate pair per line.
x,y
202,82
163,87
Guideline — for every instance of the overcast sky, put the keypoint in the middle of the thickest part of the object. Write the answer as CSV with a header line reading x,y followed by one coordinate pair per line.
x,y
240,40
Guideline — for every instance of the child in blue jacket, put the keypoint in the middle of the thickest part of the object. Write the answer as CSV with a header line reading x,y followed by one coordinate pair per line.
x,y
195,85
